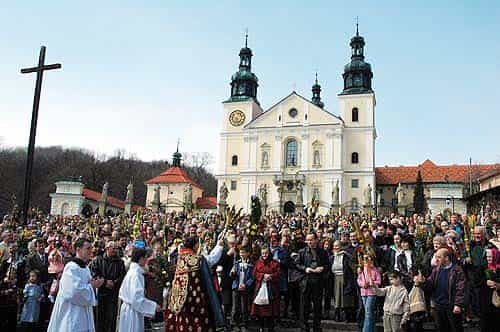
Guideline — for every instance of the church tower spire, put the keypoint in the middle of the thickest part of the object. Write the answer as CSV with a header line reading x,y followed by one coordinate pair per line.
x,y
358,73
176,157
316,90
244,83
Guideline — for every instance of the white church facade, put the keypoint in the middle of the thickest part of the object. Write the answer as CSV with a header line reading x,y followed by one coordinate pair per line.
x,y
297,151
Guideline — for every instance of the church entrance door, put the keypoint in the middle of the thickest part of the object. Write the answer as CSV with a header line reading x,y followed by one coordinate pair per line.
x,y
289,207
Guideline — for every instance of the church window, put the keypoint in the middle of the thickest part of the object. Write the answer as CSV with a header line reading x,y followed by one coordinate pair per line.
x,y
293,112
291,153
234,160
233,185
279,118
354,158
355,114
354,183
305,117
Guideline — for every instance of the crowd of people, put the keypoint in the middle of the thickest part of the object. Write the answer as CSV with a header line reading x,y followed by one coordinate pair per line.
x,y
199,273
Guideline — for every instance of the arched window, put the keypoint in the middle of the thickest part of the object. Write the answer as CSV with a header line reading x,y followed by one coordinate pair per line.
x,y
291,153
354,158
355,114
234,160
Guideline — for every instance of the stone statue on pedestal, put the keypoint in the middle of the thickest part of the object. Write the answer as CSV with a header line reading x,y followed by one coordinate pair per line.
x,y
105,189
223,193
129,198
299,199
130,193
401,194
262,192
335,194
368,195
156,199
103,200
188,197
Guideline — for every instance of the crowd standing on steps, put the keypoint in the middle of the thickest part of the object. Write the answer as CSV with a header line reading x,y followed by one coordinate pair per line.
x,y
199,272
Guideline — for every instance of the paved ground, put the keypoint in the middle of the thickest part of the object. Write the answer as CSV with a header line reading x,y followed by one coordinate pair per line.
x,y
327,325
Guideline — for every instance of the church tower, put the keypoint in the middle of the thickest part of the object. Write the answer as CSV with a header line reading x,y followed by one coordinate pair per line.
x,y
242,105
357,109
316,90
235,144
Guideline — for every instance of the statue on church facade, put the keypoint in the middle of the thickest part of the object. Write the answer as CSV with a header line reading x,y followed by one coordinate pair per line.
x,y
368,195
265,159
401,194
223,193
316,159
335,193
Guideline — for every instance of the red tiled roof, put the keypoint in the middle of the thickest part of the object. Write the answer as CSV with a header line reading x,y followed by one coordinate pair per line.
x,y
206,203
431,172
173,175
95,196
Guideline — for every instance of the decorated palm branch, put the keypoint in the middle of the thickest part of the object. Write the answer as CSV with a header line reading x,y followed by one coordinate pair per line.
x,y
468,226
312,211
136,229
231,217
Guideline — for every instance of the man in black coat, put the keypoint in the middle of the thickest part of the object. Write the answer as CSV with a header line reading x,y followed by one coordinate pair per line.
x,y
111,268
312,262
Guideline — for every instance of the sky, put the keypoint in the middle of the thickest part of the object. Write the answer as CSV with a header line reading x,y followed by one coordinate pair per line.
x,y
138,75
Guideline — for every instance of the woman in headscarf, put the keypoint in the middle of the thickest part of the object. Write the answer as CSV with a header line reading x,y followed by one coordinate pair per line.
x,y
343,283
493,282
267,270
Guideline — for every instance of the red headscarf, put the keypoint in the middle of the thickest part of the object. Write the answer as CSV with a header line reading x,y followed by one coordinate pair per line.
x,y
495,260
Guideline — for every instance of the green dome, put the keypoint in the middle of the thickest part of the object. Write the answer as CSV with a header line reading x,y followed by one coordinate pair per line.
x,y
357,64
244,75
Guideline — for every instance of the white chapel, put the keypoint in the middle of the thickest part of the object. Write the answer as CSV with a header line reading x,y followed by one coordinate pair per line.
x,y
298,151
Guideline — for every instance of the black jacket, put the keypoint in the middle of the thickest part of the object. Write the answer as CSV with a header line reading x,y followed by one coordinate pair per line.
x,y
109,268
305,260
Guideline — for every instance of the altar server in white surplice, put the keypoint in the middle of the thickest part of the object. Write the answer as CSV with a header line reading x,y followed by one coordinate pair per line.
x,y
73,307
134,305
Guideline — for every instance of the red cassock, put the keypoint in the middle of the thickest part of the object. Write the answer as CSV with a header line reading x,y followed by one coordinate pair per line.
x,y
188,306
273,268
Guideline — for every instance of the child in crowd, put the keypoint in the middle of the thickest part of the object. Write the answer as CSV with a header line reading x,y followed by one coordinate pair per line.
x,y
33,294
396,304
242,275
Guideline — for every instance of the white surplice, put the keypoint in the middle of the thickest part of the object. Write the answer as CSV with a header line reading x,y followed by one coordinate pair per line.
x,y
73,307
134,305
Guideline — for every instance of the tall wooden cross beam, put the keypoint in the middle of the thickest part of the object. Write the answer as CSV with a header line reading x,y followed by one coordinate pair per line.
x,y
34,118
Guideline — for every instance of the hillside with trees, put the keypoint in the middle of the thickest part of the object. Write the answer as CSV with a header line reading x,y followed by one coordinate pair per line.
x,y
57,163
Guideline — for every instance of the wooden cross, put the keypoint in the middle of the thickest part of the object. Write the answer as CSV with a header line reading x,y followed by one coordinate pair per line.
x,y
34,118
